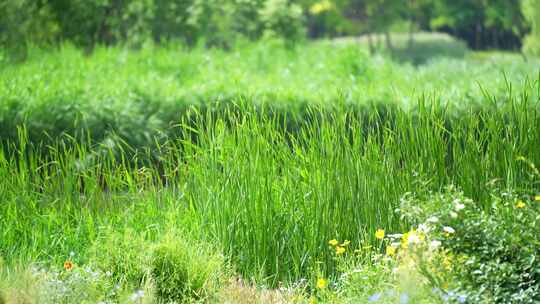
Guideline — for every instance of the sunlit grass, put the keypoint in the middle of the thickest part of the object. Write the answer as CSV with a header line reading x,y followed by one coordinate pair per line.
x,y
271,155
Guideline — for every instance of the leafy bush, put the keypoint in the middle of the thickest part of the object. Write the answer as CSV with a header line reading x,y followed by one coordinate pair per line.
x,y
184,270
496,246
281,18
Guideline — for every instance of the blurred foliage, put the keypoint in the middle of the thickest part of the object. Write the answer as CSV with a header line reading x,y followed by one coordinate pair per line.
x,y
135,22
87,23
531,9
482,23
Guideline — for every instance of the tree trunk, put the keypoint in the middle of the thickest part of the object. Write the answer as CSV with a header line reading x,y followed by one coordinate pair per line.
x,y
388,40
495,38
370,43
477,35
410,42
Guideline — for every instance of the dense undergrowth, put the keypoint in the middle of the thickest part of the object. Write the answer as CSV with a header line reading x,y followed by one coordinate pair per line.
x,y
171,186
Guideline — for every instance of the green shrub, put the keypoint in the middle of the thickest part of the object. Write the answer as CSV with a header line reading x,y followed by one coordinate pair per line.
x,y
183,270
281,18
497,246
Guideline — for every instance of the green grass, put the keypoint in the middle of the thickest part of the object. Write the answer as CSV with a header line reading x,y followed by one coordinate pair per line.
x,y
307,145
138,95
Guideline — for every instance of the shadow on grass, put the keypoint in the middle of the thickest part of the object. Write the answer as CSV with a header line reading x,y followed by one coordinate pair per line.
x,y
422,51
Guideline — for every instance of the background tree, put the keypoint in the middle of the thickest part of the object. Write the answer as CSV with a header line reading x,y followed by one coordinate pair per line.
x,y
482,23
531,10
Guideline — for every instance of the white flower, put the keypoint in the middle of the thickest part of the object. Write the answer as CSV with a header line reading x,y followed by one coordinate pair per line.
x,y
137,295
71,254
434,244
108,273
453,215
459,207
432,219
424,228
413,238
449,230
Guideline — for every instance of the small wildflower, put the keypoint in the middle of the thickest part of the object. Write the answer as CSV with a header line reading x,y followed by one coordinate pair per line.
x,y
139,294
434,244
340,250
537,198
404,298
449,230
520,204
71,254
375,297
390,250
322,283
395,244
453,215
459,207
461,298
432,219
424,228
313,301
411,237
68,265
379,234
333,242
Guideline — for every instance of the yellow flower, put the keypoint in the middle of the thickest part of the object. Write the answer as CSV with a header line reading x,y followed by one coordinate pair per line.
x,y
520,204
322,283
321,7
313,301
411,237
340,250
379,234
537,198
333,242
346,243
68,265
390,250
447,262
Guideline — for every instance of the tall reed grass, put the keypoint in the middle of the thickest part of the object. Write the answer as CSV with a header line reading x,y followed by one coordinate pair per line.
x,y
269,194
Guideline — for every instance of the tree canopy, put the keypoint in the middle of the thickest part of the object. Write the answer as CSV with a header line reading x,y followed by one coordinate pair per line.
x,y
481,23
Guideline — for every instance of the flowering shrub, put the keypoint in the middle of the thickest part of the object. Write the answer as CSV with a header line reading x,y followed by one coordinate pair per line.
x,y
393,276
495,250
